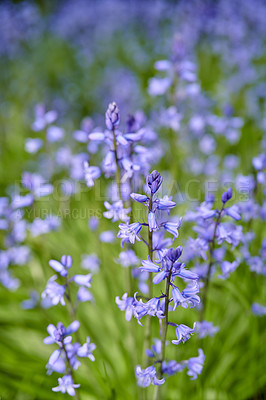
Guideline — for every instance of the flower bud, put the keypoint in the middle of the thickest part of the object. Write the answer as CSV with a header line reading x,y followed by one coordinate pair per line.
x,y
112,116
227,195
154,181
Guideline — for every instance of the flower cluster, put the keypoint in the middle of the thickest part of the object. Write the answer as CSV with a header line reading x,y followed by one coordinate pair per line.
x,y
126,155
167,267
65,359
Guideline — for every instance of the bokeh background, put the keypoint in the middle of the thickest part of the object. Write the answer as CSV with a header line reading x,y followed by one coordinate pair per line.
x,y
75,57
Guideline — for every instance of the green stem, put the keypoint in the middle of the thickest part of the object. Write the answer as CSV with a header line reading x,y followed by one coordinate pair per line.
x,y
71,308
117,173
164,334
71,372
207,281
147,339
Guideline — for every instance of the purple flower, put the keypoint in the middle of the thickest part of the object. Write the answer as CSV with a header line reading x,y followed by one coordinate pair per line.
x,y
63,266
169,262
93,223
172,227
147,376
154,181
149,266
233,212
126,304
187,297
60,334
152,222
91,173
112,116
141,198
228,267
183,333
195,365
129,232
66,385
54,134
42,118
258,309
32,302
86,350
90,262
22,201
155,348
206,328
172,367
116,211
83,280
84,295
33,145
128,258
107,237
54,292
164,204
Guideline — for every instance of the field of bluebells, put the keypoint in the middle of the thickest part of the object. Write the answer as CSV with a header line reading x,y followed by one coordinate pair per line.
x,y
133,200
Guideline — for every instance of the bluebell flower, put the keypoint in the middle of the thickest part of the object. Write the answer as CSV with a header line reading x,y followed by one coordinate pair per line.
x,y
22,201
169,261
230,233
42,226
63,266
43,118
60,333
172,367
155,349
206,328
129,232
107,237
93,223
66,385
164,204
116,211
91,173
32,302
152,222
172,227
228,267
249,209
158,86
112,116
86,350
257,264
126,304
83,280
84,295
71,351
226,196
141,198
147,376
54,292
33,145
154,181
196,248
152,307
58,365
183,333
258,309
233,212
90,262
195,365
54,133
128,258
189,294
